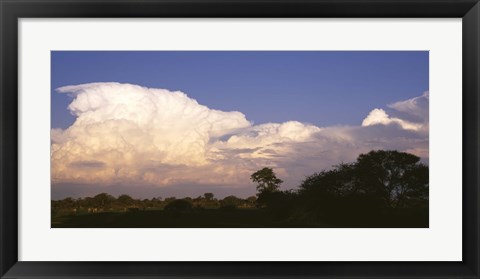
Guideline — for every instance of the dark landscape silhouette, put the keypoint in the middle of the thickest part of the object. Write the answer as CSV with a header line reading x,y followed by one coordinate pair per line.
x,y
381,189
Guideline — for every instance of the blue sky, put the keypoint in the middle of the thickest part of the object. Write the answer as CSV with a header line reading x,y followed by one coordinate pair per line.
x,y
324,88
299,113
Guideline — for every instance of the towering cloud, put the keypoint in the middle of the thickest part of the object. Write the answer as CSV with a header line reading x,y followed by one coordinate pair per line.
x,y
126,134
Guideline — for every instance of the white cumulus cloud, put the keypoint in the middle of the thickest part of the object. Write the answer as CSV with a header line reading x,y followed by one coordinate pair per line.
x,y
379,116
126,134
132,131
412,114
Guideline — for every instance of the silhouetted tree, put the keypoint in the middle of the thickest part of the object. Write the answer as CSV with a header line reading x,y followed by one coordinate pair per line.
x,y
231,202
379,182
179,205
268,185
266,180
169,200
208,196
392,176
103,200
251,200
125,200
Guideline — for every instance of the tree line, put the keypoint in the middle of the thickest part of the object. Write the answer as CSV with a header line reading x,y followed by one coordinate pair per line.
x,y
381,188
124,203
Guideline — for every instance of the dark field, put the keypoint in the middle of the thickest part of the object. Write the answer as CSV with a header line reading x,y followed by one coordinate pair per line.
x,y
164,219
239,218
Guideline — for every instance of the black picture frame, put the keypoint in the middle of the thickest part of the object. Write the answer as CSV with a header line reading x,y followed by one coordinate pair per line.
x,y
12,10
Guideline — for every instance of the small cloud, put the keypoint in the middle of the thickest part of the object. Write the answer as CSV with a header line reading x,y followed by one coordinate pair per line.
x,y
380,117
87,164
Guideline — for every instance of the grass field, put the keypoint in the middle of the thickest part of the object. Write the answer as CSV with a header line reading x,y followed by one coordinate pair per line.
x,y
215,218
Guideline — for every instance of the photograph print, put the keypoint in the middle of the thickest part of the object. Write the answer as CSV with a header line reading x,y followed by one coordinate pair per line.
x,y
239,139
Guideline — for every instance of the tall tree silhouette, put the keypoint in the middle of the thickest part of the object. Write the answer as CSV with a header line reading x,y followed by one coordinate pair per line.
x,y
268,187
266,180
394,177
378,184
